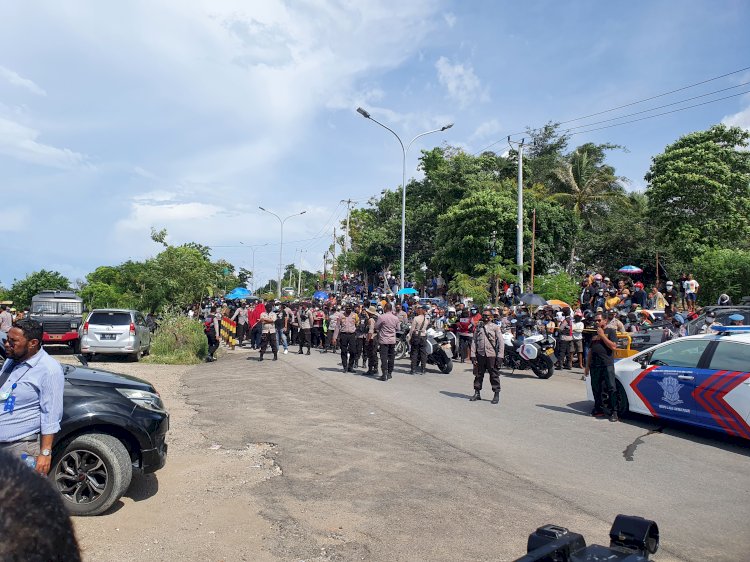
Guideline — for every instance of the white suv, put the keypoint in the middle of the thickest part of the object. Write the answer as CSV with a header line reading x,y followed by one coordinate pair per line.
x,y
115,331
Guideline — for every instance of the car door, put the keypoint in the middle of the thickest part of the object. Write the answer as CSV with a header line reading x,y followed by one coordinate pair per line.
x,y
667,381
141,330
722,392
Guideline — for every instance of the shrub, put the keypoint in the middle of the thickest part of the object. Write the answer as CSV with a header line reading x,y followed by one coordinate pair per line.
x,y
179,340
558,286
722,271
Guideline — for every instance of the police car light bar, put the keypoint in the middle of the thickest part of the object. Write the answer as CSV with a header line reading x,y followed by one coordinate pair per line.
x,y
728,330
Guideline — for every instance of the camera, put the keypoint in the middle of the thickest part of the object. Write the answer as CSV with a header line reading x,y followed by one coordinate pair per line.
x,y
632,539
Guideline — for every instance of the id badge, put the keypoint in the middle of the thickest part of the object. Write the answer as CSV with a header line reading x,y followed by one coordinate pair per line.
x,y
10,403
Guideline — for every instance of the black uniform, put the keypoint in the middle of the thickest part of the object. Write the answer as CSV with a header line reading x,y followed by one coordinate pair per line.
x,y
602,369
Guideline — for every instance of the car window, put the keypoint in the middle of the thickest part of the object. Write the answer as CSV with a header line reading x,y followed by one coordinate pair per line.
x,y
139,318
681,353
110,318
731,356
723,317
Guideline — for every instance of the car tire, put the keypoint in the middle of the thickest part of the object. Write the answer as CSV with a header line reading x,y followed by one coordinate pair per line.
x,y
623,407
107,469
147,351
88,356
135,357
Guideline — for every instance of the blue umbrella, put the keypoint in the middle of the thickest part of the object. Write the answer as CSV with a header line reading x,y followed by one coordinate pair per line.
x,y
630,270
408,291
238,293
322,295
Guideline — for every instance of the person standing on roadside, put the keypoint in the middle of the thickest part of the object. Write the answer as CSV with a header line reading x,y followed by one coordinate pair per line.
x,y
213,333
601,364
31,389
268,332
691,292
487,351
671,297
371,342
305,323
387,325
240,317
418,340
344,332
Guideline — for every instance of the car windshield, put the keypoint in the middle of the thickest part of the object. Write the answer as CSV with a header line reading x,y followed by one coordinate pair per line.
x,y
681,353
56,307
110,318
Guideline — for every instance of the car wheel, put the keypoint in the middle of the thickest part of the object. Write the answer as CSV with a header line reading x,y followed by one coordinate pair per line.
x,y
623,407
92,472
88,356
135,357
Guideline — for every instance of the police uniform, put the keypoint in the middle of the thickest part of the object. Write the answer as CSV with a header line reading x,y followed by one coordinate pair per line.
x,y
305,323
487,350
418,341
344,333
268,334
371,342
361,334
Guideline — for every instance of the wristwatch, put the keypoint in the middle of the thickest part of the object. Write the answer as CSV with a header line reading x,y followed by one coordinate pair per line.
x,y
46,452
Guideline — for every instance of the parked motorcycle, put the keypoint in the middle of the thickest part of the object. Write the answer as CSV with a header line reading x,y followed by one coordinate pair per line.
x,y
438,348
402,345
535,351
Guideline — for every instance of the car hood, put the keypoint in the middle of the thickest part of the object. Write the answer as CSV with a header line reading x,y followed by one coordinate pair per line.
x,y
84,376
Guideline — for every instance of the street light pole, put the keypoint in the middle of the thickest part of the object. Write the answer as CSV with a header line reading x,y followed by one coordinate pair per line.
x,y
281,242
404,151
519,225
253,248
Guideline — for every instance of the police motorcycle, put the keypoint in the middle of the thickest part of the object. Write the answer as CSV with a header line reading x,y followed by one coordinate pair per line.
x,y
437,342
534,351
402,344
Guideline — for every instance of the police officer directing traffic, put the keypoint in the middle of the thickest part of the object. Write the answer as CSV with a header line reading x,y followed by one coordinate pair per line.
x,y
487,351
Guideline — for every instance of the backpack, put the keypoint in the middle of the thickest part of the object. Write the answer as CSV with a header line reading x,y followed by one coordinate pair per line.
x,y
208,326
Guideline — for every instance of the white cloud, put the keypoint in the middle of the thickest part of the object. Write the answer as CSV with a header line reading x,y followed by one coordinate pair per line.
x,y
20,141
17,80
463,85
15,219
486,129
158,196
739,119
450,19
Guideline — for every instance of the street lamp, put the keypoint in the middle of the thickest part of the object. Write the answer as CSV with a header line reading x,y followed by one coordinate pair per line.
x,y
404,151
253,248
281,239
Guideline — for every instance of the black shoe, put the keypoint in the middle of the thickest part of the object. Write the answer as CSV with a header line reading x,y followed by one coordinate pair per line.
x,y
613,417
390,375
383,378
496,398
260,358
275,358
308,352
411,371
476,396
300,352
422,372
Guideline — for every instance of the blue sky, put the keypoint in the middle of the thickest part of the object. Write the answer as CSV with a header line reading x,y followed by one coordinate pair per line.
x,y
116,117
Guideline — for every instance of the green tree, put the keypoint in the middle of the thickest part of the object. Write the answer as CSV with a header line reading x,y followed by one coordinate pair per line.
x,y
463,285
22,291
557,286
699,192
722,271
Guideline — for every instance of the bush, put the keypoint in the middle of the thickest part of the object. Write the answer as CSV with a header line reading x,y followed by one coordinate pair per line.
x,y
558,286
722,271
179,340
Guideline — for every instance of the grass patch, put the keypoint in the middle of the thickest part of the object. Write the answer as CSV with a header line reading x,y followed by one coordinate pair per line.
x,y
179,340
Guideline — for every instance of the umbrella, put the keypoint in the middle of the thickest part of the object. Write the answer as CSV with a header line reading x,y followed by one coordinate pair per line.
x,y
556,302
238,293
408,291
630,270
322,295
530,299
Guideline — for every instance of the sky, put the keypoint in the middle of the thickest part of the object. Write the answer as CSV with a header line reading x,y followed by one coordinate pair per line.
x,y
116,117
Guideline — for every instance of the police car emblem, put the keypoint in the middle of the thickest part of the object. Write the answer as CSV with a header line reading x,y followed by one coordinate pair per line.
x,y
671,389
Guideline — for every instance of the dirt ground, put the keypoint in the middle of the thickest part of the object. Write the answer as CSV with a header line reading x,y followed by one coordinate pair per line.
x,y
200,490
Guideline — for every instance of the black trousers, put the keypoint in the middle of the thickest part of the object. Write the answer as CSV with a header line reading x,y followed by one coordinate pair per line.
x,y
266,339
347,343
563,353
293,332
387,357
213,344
604,388
371,348
241,329
359,350
418,352
304,338
255,335
487,365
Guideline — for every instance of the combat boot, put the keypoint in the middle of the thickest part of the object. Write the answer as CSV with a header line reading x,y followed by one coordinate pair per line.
x,y
476,396
496,398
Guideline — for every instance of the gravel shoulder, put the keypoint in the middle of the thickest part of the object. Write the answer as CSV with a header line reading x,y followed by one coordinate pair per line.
x,y
198,506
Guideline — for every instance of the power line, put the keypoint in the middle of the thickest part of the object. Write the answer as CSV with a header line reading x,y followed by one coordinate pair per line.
x,y
636,102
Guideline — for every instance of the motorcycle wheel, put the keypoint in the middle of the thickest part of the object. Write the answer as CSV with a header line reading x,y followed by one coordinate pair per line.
x,y
401,349
445,365
543,367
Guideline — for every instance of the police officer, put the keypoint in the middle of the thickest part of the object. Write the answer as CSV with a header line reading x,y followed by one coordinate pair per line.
x,y
344,332
487,350
267,322
418,333
371,342
361,334
305,323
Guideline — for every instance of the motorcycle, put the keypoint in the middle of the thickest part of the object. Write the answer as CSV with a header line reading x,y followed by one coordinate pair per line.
x,y
437,341
535,351
402,345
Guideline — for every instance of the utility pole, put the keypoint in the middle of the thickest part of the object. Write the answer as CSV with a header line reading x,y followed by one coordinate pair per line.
x,y
519,226
333,264
325,264
348,246
299,280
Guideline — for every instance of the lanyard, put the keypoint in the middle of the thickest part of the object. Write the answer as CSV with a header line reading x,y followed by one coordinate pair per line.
x,y
10,400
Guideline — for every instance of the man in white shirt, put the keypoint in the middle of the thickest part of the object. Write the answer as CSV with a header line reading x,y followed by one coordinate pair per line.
x,y
691,292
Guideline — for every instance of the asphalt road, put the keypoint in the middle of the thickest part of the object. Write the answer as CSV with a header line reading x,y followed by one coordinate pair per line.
x,y
409,469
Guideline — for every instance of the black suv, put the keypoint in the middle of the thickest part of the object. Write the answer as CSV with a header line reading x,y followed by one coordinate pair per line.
x,y
112,425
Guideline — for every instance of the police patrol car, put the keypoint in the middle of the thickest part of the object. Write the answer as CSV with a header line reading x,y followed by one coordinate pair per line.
x,y
700,380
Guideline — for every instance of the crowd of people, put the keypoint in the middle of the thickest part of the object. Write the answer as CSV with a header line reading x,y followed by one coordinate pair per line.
x,y
363,322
